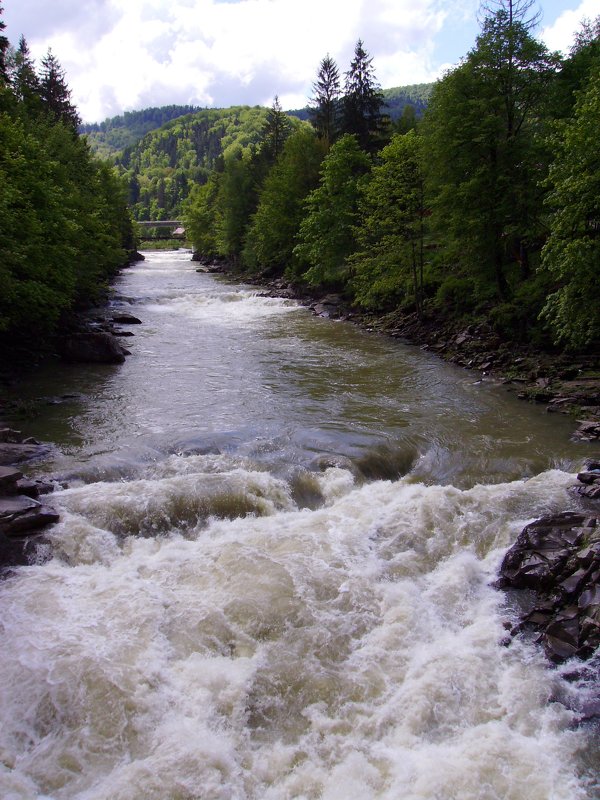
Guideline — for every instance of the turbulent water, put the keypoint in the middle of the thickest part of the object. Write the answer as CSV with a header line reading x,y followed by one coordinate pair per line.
x,y
272,575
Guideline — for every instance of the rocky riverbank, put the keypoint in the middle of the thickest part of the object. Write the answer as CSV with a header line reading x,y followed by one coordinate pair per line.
x,y
23,514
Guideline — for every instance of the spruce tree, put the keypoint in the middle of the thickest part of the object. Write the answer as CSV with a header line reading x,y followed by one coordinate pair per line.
x,y
324,106
363,101
4,48
276,130
55,94
25,82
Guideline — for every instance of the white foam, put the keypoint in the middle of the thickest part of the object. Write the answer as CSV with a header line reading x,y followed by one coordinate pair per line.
x,y
348,652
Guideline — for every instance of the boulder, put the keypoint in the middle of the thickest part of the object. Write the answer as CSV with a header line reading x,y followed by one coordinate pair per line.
x,y
557,558
9,478
17,453
100,348
20,515
125,319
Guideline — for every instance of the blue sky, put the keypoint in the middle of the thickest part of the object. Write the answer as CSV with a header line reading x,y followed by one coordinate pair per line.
x,y
128,54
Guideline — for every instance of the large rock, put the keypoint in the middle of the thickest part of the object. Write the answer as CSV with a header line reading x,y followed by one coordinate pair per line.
x,y
9,477
98,347
557,558
123,318
20,515
17,453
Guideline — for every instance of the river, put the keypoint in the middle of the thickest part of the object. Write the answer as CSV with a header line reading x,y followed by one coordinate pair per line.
x,y
272,575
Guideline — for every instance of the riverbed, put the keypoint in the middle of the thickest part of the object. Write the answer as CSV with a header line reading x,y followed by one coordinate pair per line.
x,y
273,573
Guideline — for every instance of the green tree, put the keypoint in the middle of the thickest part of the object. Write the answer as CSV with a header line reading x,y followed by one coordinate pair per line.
x,y
572,252
276,130
326,233
485,157
4,48
272,234
388,261
55,94
236,202
576,69
324,106
24,80
200,216
362,102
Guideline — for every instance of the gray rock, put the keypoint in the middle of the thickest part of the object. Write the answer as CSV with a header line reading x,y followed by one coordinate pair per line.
x,y
18,453
126,319
558,559
9,476
100,348
20,515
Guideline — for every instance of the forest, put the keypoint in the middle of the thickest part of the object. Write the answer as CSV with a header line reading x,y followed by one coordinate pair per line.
x,y
475,198
485,206
65,228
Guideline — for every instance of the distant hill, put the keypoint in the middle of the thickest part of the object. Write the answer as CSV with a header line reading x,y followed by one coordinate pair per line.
x,y
163,151
161,167
415,95
115,134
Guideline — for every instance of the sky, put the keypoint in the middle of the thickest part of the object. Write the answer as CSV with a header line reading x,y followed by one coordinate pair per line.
x,y
123,55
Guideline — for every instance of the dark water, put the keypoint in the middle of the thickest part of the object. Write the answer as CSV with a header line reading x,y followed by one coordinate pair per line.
x,y
272,574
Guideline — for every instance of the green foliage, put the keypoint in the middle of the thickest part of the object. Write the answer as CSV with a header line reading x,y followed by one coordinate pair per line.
x,y
362,102
326,234
272,233
324,109
388,261
108,138
275,131
485,157
200,216
572,252
55,94
400,97
456,296
64,224
167,162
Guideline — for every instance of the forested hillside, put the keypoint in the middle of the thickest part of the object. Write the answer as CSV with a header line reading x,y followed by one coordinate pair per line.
x,y
115,134
161,168
163,152
487,208
64,224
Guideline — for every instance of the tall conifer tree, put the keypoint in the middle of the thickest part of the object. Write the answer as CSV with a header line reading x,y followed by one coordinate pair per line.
x,y
363,101
25,82
276,130
55,93
4,47
325,103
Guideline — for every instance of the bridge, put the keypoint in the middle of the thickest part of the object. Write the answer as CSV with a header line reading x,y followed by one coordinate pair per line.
x,y
175,226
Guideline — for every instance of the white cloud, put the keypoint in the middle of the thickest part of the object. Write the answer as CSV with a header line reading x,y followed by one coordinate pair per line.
x,y
126,54
559,35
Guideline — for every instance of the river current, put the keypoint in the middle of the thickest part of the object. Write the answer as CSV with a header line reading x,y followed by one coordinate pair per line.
x,y
272,577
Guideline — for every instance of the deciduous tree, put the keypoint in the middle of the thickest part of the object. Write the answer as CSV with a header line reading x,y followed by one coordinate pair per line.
x,y
326,234
572,252
389,258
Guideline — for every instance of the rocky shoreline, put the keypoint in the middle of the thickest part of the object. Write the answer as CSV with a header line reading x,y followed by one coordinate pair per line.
x,y
23,515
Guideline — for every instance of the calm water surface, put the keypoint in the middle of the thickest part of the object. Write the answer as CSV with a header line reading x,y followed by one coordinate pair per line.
x,y
271,578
